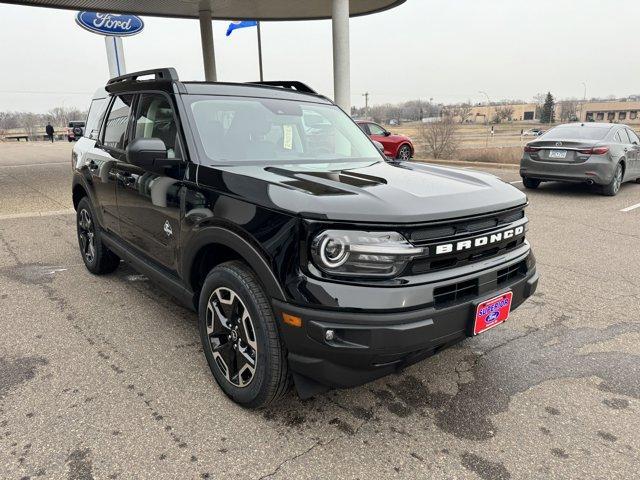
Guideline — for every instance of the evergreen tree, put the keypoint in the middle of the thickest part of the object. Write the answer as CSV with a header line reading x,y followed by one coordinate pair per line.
x,y
547,115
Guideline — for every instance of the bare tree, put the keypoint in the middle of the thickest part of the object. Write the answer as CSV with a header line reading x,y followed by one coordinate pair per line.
x,y
462,111
504,112
413,110
440,138
568,110
30,122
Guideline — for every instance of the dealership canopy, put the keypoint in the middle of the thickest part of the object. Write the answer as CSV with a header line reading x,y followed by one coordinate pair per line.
x,y
206,10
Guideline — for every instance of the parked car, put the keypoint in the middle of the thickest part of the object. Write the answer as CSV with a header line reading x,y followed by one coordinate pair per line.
x,y
75,130
317,263
533,132
604,154
395,146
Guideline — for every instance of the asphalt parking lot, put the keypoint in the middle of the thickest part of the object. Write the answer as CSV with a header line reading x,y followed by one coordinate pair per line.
x,y
104,377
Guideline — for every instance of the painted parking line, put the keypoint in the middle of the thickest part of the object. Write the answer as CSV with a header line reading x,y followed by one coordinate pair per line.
x,y
22,165
632,207
50,213
517,181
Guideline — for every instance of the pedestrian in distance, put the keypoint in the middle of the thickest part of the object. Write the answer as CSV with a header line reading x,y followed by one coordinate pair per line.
x,y
49,130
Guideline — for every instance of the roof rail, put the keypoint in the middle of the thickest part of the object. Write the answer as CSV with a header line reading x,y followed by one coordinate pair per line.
x,y
159,75
292,85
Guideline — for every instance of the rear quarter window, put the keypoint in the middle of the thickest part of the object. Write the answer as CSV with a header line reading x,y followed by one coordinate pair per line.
x,y
94,118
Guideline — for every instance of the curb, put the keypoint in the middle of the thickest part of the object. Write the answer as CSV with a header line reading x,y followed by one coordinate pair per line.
x,y
498,166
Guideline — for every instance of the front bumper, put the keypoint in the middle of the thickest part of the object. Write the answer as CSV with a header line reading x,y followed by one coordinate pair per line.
x,y
369,345
597,169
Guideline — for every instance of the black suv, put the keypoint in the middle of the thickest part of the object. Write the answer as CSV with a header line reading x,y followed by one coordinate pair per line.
x,y
75,130
307,255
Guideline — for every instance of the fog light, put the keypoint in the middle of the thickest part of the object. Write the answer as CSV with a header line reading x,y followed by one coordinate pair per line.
x,y
330,335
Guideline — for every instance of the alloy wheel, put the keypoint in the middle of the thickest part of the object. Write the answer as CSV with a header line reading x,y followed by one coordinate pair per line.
x,y
86,232
404,153
617,179
232,337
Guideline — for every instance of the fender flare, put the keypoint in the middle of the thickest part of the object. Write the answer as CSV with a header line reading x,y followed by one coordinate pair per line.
x,y
81,181
250,254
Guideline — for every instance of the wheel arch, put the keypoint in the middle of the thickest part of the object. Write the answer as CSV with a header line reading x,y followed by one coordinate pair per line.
x,y
215,245
78,192
623,162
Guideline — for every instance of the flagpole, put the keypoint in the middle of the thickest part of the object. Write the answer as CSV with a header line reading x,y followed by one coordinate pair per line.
x,y
260,52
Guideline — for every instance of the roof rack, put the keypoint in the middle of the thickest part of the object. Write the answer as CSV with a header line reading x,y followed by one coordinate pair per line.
x,y
292,85
159,75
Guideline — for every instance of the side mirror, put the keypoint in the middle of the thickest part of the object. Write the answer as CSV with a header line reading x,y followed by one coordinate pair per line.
x,y
386,133
150,154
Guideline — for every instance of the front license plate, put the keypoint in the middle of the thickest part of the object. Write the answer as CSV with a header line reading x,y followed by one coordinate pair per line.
x,y
558,154
492,312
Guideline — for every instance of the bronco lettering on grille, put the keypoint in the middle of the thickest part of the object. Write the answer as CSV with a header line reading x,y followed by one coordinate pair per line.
x,y
479,241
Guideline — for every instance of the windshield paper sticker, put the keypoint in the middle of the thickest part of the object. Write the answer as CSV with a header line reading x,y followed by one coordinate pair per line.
x,y
287,142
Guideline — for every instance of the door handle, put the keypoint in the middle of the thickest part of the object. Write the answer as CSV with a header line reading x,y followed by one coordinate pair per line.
x,y
125,178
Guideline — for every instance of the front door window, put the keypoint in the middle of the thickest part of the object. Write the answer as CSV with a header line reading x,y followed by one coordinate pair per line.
x,y
376,129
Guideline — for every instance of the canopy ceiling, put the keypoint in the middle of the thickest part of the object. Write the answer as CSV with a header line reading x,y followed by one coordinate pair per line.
x,y
220,9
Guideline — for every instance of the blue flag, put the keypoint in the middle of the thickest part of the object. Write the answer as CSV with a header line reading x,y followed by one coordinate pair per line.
x,y
240,24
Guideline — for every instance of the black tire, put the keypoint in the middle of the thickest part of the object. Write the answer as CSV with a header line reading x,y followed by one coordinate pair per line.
x,y
70,139
613,187
77,131
531,183
251,384
404,153
96,256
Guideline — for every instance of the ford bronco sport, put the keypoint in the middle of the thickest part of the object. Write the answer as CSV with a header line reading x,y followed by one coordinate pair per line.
x,y
309,258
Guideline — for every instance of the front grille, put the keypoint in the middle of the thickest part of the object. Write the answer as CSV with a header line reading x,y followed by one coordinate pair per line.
x,y
424,265
455,293
459,228
514,271
461,231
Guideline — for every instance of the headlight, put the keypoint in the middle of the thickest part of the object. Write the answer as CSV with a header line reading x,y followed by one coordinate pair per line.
x,y
357,253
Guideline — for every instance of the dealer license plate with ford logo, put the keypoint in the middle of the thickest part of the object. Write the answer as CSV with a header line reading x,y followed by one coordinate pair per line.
x,y
492,312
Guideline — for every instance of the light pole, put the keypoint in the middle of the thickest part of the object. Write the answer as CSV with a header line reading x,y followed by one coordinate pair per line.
x,y
366,104
486,118
584,100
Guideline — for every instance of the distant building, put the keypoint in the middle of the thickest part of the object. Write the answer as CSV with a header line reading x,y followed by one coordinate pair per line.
x,y
521,112
613,112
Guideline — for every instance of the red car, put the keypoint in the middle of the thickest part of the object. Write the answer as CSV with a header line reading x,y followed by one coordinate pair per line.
x,y
395,146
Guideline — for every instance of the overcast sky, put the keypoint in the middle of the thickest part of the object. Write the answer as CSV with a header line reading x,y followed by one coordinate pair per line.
x,y
447,50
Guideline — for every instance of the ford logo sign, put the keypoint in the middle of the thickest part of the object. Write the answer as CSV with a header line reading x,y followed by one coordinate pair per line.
x,y
112,24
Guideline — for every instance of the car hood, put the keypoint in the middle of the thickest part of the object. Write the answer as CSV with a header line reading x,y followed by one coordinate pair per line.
x,y
407,192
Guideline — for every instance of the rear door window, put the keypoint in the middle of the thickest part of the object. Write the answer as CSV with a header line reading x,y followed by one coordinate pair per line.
x,y
624,136
115,130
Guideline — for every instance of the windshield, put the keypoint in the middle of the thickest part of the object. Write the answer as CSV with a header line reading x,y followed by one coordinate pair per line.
x,y
236,130
576,133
